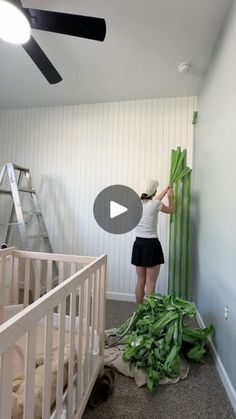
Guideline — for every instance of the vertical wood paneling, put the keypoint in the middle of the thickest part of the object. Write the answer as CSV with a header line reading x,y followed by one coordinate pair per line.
x,y
76,151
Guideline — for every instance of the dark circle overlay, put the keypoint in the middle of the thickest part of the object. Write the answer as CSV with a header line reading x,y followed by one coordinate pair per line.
x,y
122,195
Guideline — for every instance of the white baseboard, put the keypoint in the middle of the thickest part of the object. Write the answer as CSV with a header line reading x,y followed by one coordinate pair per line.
x,y
220,367
120,296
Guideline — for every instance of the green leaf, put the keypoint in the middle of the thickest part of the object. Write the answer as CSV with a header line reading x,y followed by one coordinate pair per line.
x,y
196,353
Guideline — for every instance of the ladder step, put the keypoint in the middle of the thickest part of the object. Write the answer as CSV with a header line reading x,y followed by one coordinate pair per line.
x,y
22,169
14,223
29,190
43,235
32,213
5,192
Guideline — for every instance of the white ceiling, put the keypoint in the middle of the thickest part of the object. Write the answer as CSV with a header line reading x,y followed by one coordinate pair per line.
x,y
146,40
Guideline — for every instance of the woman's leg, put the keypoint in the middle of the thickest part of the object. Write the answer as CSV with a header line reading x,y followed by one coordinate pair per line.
x,y
140,285
151,278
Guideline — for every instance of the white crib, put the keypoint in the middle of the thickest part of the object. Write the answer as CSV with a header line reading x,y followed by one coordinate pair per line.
x,y
61,333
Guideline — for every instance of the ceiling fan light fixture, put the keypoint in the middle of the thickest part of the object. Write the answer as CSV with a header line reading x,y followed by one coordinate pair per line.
x,y
14,27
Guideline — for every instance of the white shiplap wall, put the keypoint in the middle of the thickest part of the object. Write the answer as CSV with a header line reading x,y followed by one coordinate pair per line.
x,y
76,151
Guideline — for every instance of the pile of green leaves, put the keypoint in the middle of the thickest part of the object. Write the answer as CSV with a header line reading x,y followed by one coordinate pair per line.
x,y
155,336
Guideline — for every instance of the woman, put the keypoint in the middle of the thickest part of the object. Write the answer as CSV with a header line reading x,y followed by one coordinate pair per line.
x,y
147,254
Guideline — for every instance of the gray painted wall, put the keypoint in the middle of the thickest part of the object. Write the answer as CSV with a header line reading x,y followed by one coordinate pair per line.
x,y
214,197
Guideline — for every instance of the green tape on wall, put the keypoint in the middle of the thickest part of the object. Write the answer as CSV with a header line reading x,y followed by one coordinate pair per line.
x,y
179,231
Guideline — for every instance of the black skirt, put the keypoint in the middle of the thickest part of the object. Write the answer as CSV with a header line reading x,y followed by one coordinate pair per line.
x,y
147,252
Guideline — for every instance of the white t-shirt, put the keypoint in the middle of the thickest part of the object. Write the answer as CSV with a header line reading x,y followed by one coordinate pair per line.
x,y
147,226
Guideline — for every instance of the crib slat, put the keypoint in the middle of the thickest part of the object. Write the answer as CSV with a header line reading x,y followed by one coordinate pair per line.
x,y
87,334
102,308
71,354
72,268
30,374
49,275
80,351
6,385
61,272
2,287
61,344
15,280
98,284
47,366
94,288
37,279
26,282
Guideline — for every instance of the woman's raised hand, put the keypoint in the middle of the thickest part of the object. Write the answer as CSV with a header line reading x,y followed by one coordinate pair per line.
x,y
170,192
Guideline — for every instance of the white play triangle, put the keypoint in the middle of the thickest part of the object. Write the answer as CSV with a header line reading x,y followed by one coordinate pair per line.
x,y
116,209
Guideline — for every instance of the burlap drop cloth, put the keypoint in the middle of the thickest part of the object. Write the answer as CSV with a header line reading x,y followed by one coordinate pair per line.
x,y
113,357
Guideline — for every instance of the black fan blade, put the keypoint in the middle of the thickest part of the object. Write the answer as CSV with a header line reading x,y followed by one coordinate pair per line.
x,y
67,24
41,61
16,3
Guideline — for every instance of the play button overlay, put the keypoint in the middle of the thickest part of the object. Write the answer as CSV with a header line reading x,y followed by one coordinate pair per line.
x,y
117,209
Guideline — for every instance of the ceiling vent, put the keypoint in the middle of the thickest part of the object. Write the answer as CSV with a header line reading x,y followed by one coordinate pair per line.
x,y
184,68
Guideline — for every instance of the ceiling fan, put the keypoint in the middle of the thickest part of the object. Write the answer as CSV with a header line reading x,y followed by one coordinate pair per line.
x,y
68,24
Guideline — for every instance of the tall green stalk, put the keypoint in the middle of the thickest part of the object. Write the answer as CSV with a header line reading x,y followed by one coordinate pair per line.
x,y
181,230
175,226
188,181
172,159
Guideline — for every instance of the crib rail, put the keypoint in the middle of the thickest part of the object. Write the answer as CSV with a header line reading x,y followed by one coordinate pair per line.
x,y
32,273
82,296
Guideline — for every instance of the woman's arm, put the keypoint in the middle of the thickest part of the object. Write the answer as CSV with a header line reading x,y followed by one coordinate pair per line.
x,y
170,209
161,195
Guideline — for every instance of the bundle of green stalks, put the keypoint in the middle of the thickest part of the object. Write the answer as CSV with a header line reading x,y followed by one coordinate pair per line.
x,y
155,336
179,230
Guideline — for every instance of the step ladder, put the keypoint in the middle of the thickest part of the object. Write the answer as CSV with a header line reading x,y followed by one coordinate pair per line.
x,y
21,220
29,221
